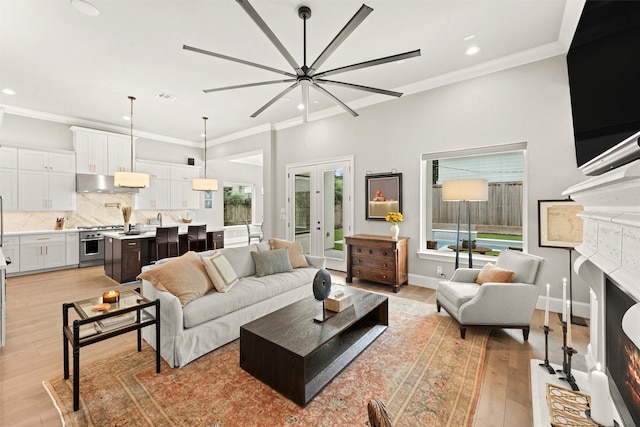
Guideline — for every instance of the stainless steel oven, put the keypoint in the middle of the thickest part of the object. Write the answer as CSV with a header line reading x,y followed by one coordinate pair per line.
x,y
92,244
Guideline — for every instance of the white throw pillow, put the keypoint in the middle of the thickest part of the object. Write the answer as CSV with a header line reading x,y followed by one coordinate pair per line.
x,y
220,271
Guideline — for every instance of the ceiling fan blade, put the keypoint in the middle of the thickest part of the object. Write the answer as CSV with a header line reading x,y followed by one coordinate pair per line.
x,y
270,35
334,99
305,101
370,63
360,87
353,23
275,98
218,89
241,61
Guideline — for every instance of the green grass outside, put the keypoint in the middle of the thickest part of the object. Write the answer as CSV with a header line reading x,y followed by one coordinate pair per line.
x,y
500,236
338,237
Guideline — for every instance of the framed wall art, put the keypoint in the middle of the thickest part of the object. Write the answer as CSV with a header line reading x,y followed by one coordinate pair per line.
x,y
558,223
384,194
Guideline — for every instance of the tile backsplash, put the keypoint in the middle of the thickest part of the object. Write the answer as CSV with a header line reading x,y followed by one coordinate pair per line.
x,y
90,210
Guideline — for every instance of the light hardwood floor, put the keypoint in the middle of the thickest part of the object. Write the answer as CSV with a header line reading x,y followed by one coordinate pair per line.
x,y
33,350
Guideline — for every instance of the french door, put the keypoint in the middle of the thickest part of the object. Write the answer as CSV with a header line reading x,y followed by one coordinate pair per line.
x,y
320,208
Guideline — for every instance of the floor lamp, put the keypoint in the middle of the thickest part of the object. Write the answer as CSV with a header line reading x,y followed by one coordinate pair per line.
x,y
465,190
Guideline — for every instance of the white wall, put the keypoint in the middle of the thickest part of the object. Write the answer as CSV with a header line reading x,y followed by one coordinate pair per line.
x,y
528,103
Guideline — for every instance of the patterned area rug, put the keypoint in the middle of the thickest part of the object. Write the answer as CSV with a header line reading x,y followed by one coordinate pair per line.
x,y
419,367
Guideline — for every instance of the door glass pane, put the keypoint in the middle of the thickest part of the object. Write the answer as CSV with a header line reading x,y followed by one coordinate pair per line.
x,y
302,211
333,213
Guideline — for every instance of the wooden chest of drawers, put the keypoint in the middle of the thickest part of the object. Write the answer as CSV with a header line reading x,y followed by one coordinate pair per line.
x,y
377,258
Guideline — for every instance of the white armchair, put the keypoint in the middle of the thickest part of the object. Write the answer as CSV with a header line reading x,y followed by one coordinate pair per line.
x,y
505,305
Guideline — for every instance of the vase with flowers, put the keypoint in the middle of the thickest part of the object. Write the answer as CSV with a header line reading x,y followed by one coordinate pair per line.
x,y
394,218
126,215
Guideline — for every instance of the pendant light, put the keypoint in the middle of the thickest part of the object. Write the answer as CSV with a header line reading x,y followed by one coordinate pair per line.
x,y
131,179
204,184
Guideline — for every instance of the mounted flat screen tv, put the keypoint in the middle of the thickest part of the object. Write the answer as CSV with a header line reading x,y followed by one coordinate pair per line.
x,y
604,68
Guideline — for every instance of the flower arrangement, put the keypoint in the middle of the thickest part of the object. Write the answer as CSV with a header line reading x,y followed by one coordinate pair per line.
x,y
394,217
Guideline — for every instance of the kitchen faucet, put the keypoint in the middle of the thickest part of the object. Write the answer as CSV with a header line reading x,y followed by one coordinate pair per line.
x,y
159,218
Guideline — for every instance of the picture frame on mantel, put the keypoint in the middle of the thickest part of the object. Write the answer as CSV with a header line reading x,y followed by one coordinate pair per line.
x,y
558,224
383,195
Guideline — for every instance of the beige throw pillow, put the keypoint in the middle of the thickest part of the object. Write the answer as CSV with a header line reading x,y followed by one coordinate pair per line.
x,y
296,257
185,277
220,271
491,273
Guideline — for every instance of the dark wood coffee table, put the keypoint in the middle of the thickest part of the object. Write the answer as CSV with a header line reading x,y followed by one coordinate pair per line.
x,y
296,356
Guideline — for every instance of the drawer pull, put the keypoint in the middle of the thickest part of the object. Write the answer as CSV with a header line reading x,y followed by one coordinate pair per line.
x,y
132,244
384,276
384,253
370,251
384,265
358,261
44,238
359,250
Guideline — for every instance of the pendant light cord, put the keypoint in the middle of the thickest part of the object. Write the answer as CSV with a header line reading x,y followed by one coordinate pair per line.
x,y
205,146
131,131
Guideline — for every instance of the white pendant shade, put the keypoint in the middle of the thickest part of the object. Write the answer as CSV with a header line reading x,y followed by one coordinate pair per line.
x,y
131,180
203,184
473,190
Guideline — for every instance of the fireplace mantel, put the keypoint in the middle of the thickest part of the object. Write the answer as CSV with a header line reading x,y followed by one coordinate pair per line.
x,y
611,242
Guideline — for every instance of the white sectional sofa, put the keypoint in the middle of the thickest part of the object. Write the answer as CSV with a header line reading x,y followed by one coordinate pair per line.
x,y
214,319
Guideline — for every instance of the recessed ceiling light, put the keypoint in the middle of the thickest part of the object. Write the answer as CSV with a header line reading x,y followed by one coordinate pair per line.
x,y
300,106
472,50
168,97
127,118
85,7
8,91
470,37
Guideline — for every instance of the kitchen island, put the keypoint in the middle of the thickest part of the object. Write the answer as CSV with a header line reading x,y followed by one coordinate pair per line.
x,y
126,254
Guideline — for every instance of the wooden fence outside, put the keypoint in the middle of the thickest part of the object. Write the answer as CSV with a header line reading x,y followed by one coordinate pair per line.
x,y
502,208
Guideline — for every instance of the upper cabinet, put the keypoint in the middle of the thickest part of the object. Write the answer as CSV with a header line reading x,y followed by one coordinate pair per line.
x,y
46,161
184,173
9,178
155,170
46,181
8,158
101,153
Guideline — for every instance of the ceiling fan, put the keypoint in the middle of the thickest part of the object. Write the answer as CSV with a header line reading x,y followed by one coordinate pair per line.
x,y
308,76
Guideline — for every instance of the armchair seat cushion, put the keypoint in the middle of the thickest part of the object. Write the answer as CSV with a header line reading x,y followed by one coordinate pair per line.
x,y
458,293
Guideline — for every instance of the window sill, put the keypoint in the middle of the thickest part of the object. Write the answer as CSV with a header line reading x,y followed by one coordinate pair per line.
x,y
441,256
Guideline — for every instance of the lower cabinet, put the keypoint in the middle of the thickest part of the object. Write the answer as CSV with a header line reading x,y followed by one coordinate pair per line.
x,y
11,251
42,251
73,249
124,258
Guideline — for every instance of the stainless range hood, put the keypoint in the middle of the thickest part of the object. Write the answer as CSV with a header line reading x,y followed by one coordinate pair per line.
x,y
87,183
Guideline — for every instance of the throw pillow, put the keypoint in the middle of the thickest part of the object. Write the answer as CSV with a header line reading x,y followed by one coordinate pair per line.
x,y
272,262
491,273
220,272
185,277
296,256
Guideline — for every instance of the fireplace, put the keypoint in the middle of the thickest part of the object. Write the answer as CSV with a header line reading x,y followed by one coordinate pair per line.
x,y
622,355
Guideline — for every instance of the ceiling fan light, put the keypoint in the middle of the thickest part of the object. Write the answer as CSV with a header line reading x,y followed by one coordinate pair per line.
x,y
85,7
131,180
204,184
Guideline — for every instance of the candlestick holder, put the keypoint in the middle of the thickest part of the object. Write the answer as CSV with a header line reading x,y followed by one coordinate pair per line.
x,y
564,345
568,377
546,364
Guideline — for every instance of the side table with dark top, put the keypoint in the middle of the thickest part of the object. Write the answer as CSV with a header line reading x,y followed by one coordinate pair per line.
x,y
83,332
290,352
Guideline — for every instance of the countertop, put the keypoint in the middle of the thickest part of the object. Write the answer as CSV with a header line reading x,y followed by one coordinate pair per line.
x,y
149,231
35,232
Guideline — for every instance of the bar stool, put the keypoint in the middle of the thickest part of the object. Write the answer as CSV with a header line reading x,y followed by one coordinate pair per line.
x,y
197,236
165,237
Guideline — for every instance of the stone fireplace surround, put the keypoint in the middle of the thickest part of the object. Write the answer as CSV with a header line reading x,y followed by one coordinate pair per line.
x,y
611,243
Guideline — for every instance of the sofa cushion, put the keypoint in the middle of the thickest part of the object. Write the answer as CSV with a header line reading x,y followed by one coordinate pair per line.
x,y
272,262
295,252
491,273
247,291
220,272
240,259
457,293
185,277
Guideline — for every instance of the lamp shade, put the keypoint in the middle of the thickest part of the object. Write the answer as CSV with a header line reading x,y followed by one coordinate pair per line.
x,y
131,180
203,184
630,322
473,190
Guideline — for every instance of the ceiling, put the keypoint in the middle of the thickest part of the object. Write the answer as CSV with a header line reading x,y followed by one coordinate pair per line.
x,y
80,69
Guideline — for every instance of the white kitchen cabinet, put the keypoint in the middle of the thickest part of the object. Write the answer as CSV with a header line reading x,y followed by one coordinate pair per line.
x,y
184,173
155,196
155,170
119,158
46,191
183,196
46,161
91,152
72,249
9,188
11,251
8,158
42,251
